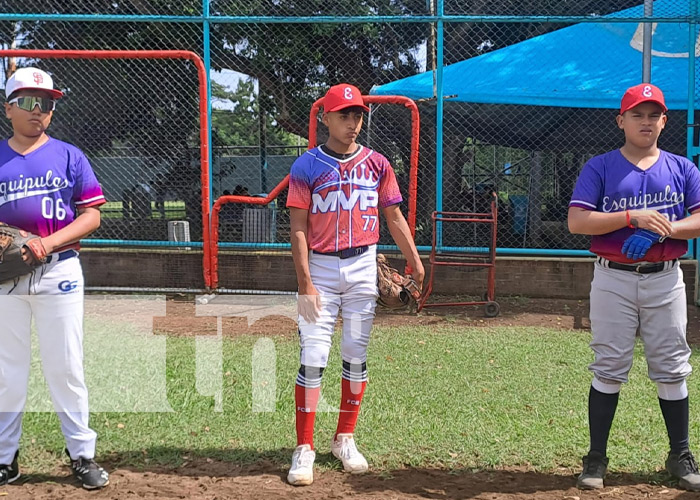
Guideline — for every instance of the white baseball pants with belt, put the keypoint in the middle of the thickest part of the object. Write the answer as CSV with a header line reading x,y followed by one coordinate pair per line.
x,y
53,296
349,285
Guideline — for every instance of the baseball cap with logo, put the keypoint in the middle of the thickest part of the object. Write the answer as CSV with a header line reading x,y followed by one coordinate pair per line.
x,y
31,78
644,92
343,96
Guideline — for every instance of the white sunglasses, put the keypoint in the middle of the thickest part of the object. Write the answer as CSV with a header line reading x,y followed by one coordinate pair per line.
x,y
28,103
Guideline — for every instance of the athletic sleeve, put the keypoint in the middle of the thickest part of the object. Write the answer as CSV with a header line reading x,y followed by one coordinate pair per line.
x,y
692,187
87,191
299,185
389,192
588,190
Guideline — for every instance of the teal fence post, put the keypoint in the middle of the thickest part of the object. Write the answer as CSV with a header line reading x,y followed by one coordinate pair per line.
x,y
207,67
439,116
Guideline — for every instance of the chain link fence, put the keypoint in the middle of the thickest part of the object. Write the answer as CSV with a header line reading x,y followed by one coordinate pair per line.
x,y
530,155
141,139
138,120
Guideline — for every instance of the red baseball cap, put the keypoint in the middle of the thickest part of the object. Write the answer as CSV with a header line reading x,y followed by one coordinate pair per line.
x,y
343,96
644,92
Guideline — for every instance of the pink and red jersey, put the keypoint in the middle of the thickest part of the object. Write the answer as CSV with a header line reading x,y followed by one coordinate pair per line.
x,y
610,183
42,191
342,196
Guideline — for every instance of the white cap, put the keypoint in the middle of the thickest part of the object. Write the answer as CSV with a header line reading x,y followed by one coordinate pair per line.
x,y
31,78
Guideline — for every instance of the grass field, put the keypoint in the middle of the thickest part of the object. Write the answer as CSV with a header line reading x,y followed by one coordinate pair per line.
x,y
173,210
441,397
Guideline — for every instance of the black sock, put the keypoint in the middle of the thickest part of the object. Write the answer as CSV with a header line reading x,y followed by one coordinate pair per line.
x,y
601,411
676,418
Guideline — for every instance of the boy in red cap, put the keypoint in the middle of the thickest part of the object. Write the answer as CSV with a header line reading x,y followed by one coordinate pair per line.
x,y
335,193
633,201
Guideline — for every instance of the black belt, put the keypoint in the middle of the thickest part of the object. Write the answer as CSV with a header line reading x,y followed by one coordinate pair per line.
x,y
347,253
67,254
639,268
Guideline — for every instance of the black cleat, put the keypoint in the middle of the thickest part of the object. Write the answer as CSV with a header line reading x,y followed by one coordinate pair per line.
x,y
683,467
9,473
595,466
89,473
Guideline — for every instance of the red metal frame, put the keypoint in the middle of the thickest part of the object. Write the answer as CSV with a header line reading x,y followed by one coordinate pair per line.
x,y
203,117
220,202
415,142
313,123
477,259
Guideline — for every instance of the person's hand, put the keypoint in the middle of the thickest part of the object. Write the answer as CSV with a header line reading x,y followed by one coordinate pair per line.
x,y
309,304
418,275
35,251
651,220
27,256
636,246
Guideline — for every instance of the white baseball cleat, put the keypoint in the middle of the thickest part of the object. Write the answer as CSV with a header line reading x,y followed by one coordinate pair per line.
x,y
302,471
344,449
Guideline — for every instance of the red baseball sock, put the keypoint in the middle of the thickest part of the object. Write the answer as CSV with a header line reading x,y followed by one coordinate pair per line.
x,y
306,402
350,400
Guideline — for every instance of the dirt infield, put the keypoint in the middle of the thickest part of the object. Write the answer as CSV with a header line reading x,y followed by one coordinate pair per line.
x,y
180,318
206,479
223,481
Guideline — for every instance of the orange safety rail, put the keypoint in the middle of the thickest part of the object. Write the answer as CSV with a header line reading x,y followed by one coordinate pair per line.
x,y
220,202
415,141
479,260
203,117
313,121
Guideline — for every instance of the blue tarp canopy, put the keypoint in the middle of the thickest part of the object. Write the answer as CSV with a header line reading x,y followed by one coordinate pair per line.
x,y
588,65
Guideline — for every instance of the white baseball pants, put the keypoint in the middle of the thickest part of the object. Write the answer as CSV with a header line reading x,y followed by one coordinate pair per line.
x,y
53,295
349,285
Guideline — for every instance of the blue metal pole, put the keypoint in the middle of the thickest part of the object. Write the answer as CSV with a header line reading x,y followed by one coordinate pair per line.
x,y
692,149
690,140
140,243
439,116
166,245
207,68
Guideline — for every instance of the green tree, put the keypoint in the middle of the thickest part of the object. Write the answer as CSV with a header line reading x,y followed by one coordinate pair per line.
x,y
151,107
240,126
296,63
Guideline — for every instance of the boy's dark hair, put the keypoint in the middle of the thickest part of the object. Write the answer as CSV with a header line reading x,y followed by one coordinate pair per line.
x,y
352,109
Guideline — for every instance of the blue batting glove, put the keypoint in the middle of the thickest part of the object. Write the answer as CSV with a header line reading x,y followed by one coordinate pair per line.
x,y
636,246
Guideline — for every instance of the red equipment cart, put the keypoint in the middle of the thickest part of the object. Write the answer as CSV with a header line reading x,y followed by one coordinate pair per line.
x,y
466,257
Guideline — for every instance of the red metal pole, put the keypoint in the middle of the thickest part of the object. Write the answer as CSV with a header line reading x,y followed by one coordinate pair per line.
x,y
203,117
218,204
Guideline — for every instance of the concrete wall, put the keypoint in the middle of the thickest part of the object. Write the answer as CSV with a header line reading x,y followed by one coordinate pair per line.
x,y
531,277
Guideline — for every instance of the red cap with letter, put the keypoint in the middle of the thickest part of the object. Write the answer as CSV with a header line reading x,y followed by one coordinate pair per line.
x,y
644,92
343,96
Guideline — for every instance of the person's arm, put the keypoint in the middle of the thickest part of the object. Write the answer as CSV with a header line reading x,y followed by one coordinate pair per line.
x,y
309,299
591,222
87,221
688,228
398,227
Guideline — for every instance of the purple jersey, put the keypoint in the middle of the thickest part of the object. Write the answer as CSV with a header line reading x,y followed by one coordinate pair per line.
x,y
610,183
42,191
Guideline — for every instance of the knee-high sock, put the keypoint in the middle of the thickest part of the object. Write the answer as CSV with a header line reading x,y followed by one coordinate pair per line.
x,y
676,419
306,395
601,411
353,386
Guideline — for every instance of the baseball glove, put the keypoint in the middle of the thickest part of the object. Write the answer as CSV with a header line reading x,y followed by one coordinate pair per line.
x,y
12,241
395,291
